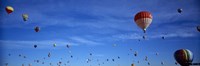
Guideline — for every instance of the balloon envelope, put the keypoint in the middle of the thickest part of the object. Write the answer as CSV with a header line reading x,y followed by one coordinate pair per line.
x,y
183,57
143,19
25,17
179,10
37,29
198,28
9,9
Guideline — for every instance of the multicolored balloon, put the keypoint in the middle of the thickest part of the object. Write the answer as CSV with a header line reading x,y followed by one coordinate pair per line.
x,y
184,57
143,19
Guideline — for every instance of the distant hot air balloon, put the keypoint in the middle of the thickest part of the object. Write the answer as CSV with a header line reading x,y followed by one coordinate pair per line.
x,y
184,57
107,59
35,46
198,28
163,37
146,58
156,53
132,64
113,59
25,17
37,29
22,64
9,9
135,54
20,55
143,19
148,63
49,54
179,10
54,45
9,54
90,54
118,57
29,64
67,46
162,63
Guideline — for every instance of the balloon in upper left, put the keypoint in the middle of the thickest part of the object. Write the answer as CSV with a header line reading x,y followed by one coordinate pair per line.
x,y
9,9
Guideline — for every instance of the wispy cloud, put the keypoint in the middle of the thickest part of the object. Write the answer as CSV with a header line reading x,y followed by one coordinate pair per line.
x,y
73,41
85,41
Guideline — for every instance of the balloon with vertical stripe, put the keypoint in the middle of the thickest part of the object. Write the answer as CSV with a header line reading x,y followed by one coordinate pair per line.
x,y
184,57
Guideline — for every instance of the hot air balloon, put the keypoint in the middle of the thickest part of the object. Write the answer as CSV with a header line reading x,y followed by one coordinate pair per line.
x,y
107,59
22,64
20,55
54,45
37,29
71,56
162,63
148,63
90,54
35,46
49,54
29,65
9,54
156,53
6,64
118,57
132,65
25,17
198,28
184,57
146,58
179,10
113,59
143,19
135,54
38,61
163,37
67,46
9,9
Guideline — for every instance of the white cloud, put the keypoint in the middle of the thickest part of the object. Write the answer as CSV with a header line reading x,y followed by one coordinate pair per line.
x,y
80,40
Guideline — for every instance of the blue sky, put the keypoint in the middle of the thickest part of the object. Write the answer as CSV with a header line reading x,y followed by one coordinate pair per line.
x,y
93,26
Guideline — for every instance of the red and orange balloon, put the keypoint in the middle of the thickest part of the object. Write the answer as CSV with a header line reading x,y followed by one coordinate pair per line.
x,y
143,19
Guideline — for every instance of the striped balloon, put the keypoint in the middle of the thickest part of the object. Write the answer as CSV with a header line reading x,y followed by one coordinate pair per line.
x,y
143,19
184,57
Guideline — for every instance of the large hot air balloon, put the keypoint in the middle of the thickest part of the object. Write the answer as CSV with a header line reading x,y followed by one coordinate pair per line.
x,y
25,17
9,9
143,19
184,57
198,28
